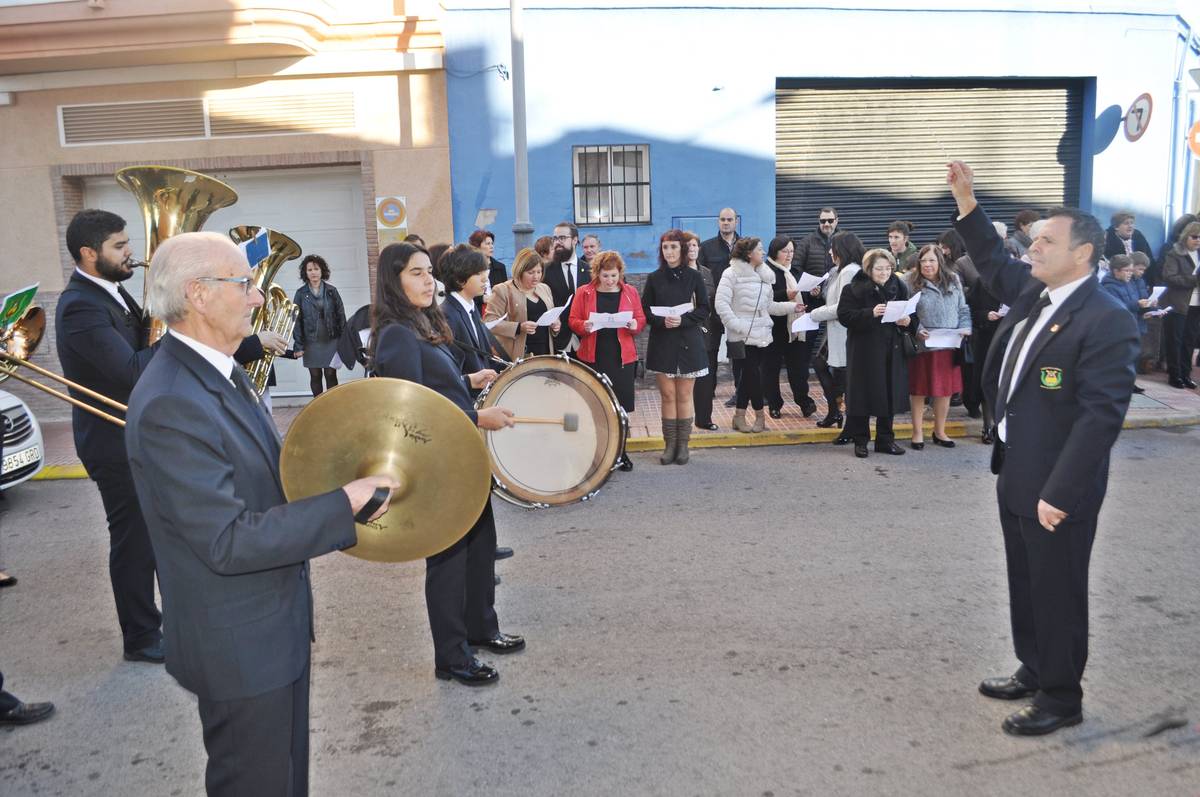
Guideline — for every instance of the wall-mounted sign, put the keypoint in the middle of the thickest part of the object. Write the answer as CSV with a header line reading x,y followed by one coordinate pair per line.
x,y
1137,118
391,219
1194,139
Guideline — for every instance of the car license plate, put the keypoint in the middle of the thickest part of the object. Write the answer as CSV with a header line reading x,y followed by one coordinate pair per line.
x,y
21,458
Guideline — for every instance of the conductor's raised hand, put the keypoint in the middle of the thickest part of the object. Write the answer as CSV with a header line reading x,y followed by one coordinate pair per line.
x,y
494,418
961,180
360,492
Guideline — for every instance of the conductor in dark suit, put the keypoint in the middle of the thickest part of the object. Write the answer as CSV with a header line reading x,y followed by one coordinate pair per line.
x,y
1060,373
564,274
232,552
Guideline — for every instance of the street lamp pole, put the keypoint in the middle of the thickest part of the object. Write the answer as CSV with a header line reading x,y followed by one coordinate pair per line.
x,y
522,228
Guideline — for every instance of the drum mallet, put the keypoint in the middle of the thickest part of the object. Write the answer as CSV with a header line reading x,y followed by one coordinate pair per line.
x,y
569,421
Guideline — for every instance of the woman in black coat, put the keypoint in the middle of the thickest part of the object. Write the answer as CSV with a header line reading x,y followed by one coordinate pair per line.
x,y
411,340
876,370
322,319
676,350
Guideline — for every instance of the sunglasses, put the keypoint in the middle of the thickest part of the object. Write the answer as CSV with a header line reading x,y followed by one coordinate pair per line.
x,y
827,221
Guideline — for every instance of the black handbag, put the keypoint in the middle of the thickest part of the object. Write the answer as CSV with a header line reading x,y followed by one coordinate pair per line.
x,y
908,345
964,355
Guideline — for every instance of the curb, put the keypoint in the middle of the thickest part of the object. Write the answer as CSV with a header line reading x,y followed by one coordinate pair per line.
x,y
744,440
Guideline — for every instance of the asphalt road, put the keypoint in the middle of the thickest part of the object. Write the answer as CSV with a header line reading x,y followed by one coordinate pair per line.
x,y
768,621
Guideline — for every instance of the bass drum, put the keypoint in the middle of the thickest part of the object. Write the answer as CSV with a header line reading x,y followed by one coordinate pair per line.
x,y
536,465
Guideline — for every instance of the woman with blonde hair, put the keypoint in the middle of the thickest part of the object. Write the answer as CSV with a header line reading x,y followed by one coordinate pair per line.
x,y
520,302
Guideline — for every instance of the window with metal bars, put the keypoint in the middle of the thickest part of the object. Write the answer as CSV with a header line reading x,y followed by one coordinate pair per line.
x,y
612,184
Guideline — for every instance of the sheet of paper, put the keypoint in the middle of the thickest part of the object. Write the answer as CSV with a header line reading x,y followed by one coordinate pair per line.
x,y
1003,311
492,324
550,316
611,320
805,324
666,312
943,339
898,309
1156,292
1158,313
808,282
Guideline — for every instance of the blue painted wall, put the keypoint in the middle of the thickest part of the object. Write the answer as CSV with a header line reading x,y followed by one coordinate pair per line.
x,y
698,84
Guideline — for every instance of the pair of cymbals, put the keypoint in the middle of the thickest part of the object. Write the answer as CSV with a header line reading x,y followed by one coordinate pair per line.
x,y
396,428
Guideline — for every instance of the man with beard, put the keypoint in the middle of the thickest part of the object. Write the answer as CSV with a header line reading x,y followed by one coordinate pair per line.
x,y
102,339
812,251
564,275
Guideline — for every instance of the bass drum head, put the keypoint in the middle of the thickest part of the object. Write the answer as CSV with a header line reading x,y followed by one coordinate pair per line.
x,y
536,463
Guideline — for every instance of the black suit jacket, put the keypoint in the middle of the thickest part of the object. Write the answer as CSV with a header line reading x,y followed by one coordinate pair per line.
x,y
1114,246
232,553
400,354
102,346
552,275
1073,390
715,255
460,323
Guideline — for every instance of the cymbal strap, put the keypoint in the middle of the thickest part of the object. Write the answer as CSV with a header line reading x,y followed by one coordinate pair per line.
x,y
377,498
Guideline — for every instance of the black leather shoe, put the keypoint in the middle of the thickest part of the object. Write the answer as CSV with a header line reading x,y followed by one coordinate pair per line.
x,y
503,552
915,446
808,407
496,579
26,713
776,414
1035,721
1188,383
842,440
956,400
1005,688
937,441
8,581
502,643
1139,389
830,420
989,436
888,448
860,450
732,402
708,427
474,673
626,463
1179,383
152,654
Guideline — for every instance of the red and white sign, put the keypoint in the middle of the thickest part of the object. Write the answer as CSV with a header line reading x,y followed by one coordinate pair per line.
x,y
1194,139
1137,118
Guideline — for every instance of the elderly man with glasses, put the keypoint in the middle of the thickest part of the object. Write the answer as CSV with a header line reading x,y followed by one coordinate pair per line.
x,y
232,552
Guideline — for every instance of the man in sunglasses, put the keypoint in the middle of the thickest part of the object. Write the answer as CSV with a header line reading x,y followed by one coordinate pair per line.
x,y
812,251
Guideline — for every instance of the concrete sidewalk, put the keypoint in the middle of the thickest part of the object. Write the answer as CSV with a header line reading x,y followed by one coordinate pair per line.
x,y
1159,406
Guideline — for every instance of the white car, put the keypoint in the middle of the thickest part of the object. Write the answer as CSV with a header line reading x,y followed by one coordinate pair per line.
x,y
24,452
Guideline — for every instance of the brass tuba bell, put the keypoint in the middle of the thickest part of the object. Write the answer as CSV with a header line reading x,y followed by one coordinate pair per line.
x,y
277,313
172,201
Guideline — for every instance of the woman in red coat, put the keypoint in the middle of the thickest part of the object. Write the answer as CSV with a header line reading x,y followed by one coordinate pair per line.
x,y
610,351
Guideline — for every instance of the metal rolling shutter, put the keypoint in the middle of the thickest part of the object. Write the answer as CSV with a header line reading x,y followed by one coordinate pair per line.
x,y
878,154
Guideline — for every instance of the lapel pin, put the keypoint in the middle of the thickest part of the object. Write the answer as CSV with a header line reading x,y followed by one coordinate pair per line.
x,y
1054,328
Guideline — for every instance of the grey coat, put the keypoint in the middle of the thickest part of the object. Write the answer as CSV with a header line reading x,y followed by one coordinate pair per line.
x,y
938,310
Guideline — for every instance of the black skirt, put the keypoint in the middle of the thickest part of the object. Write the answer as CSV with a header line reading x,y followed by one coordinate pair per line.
x,y
608,353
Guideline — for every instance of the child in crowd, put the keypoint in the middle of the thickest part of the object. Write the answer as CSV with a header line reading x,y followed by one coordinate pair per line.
x,y
1118,281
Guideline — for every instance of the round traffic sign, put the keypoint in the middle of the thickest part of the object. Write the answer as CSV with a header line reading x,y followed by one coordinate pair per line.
x,y
1137,118
1194,139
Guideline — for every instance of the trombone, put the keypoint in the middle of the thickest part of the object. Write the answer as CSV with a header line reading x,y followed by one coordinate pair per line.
x,y
19,343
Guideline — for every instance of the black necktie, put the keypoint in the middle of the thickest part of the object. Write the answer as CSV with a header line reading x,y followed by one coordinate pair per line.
x,y
1010,362
130,304
570,267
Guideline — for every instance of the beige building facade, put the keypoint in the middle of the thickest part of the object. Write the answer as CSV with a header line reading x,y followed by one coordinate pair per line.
x,y
312,113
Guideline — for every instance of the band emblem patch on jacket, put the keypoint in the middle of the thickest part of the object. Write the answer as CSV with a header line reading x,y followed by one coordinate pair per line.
x,y
1052,378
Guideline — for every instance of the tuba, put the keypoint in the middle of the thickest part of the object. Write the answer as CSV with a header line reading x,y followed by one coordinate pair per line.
x,y
172,201
277,313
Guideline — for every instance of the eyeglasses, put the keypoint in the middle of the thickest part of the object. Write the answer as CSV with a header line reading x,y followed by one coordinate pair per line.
x,y
245,282
561,238
1194,237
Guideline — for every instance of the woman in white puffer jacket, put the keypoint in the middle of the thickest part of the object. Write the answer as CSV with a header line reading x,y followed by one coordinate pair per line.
x,y
745,302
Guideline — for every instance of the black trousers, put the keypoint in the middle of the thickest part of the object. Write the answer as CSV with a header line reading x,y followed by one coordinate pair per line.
x,y
258,745
858,428
750,383
1181,336
1047,592
460,593
703,390
131,565
795,356
314,380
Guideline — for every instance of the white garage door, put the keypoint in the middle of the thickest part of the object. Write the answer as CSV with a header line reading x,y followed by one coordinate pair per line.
x,y
322,209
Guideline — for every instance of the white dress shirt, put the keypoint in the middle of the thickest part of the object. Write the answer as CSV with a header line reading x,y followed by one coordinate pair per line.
x,y
1057,297
107,285
217,359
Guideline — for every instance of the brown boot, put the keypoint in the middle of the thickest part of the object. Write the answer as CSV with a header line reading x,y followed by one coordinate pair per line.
x,y
739,421
760,420
671,436
685,434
